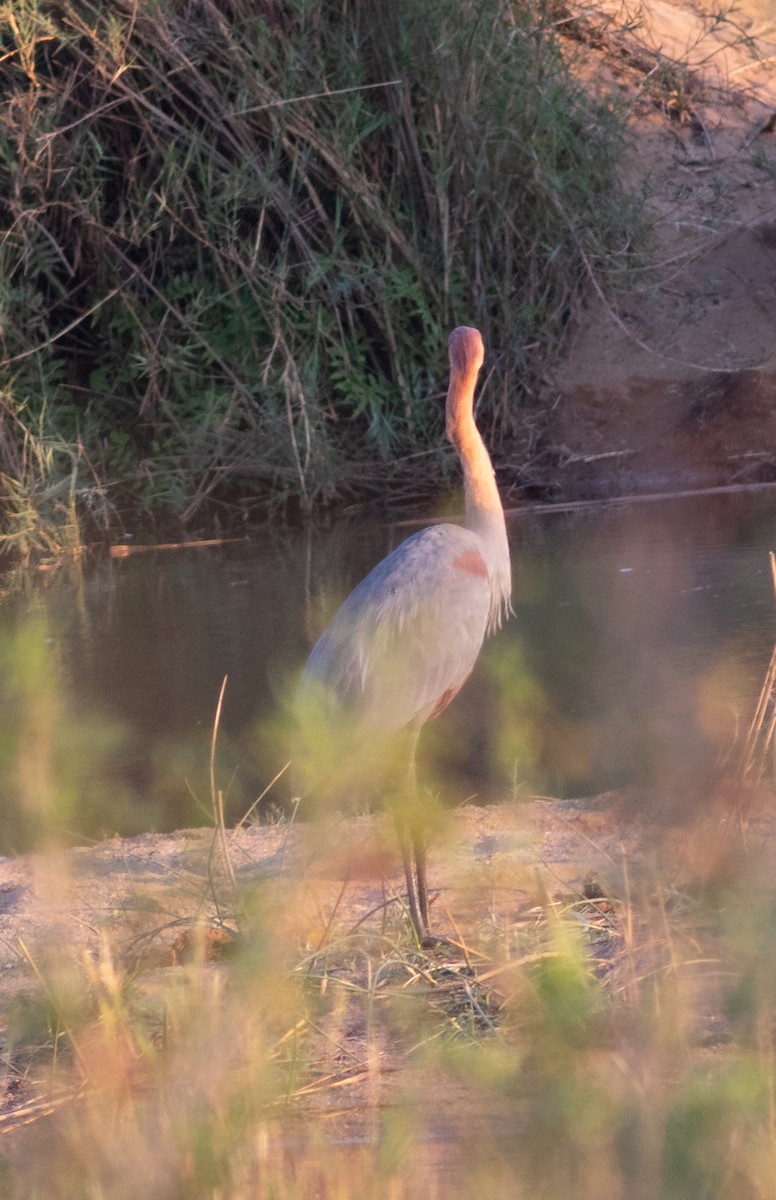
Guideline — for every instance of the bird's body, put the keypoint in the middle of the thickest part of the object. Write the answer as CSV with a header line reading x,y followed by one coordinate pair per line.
x,y
409,635
406,639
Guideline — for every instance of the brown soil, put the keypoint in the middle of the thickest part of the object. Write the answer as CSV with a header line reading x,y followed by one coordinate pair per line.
x,y
676,386
146,892
322,882
156,900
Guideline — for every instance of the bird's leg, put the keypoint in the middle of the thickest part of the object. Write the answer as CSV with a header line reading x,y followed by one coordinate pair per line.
x,y
412,899
411,837
419,848
417,838
404,816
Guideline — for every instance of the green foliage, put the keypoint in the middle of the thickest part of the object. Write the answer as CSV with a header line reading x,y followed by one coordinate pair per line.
x,y
58,762
716,1115
235,237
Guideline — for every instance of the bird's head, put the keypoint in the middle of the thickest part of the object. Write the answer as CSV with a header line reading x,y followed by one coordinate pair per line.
x,y
465,349
466,354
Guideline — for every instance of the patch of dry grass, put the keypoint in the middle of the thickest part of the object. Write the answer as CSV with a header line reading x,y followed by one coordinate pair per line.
x,y
616,1043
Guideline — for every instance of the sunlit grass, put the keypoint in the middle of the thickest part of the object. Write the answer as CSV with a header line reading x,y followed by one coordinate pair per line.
x,y
614,1046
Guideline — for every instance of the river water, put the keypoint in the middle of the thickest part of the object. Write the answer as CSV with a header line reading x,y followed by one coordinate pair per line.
x,y
639,642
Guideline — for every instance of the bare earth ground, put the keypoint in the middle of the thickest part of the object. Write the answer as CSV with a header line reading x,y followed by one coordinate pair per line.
x,y
676,388
320,887
327,889
319,882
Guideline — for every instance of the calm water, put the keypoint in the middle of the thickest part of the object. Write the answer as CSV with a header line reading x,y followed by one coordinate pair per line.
x,y
641,635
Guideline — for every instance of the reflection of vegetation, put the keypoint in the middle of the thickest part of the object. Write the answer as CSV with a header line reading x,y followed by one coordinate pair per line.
x,y
71,772
54,761
235,238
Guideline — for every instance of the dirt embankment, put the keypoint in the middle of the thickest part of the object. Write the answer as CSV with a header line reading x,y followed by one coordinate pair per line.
x,y
674,386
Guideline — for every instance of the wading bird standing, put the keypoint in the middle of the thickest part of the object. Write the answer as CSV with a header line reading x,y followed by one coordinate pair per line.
x,y
406,639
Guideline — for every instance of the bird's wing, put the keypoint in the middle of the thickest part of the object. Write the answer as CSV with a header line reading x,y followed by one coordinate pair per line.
x,y
408,636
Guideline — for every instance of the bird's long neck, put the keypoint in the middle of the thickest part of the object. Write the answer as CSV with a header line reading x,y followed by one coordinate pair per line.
x,y
484,512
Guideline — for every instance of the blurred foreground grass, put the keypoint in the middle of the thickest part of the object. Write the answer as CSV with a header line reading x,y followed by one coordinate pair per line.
x,y
183,1020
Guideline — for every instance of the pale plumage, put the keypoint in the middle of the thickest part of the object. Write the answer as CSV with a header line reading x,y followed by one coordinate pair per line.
x,y
407,638
409,633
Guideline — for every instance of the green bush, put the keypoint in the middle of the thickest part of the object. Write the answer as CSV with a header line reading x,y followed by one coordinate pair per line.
x,y
235,236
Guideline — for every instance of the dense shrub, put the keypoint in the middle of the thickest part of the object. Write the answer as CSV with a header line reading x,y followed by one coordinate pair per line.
x,y
234,236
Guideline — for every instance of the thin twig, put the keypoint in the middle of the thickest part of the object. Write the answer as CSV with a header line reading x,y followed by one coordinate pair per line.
x,y
260,797
366,87
123,551
216,795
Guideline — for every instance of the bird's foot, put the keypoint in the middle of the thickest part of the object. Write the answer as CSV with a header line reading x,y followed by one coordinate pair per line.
x,y
433,941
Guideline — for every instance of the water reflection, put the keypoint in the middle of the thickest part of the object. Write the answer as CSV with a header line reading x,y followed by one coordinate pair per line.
x,y
650,629
640,635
